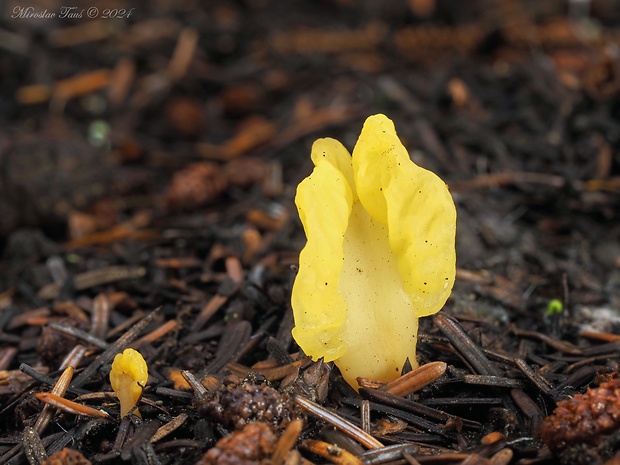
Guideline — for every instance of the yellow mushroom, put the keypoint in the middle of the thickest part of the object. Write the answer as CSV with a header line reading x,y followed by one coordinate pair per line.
x,y
380,253
128,377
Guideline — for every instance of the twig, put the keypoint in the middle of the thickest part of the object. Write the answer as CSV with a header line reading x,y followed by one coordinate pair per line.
x,y
465,346
348,428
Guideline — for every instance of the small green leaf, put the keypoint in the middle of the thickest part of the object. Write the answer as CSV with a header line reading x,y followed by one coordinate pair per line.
x,y
554,307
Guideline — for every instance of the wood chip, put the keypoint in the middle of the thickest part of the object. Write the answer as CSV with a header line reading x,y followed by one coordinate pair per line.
x,y
416,379
286,441
330,452
183,53
94,278
169,427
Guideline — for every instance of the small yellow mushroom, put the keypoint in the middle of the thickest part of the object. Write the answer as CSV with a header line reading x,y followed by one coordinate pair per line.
x,y
128,377
380,253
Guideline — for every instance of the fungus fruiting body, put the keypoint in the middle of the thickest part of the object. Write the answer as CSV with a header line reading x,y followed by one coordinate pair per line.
x,y
380,253
128,377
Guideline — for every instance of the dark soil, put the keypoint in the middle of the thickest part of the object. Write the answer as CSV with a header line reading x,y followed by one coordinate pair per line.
x,y
148,165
